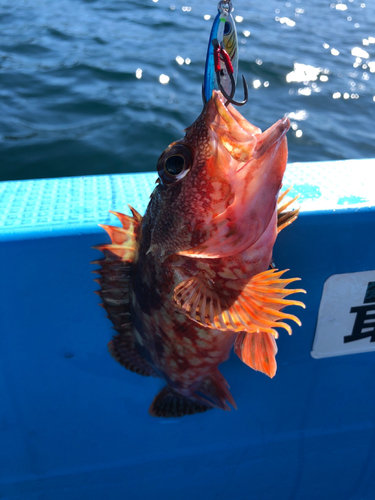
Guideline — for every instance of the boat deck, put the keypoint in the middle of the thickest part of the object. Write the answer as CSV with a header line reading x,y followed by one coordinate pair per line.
x,y
74,423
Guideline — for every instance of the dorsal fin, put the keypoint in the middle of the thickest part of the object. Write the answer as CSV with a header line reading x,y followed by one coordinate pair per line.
x,y
126,220
116,267
251,306
115,290
123,244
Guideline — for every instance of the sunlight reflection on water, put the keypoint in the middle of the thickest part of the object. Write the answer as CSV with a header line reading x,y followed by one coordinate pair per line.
x,y
98,87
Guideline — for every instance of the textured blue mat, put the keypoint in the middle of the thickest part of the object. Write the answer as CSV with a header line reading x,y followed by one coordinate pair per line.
x,y
83,202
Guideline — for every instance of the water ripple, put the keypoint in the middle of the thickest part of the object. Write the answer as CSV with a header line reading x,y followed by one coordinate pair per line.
x,y
81,91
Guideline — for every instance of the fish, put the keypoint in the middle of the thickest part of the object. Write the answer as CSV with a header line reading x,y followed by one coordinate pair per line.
x,y
194,277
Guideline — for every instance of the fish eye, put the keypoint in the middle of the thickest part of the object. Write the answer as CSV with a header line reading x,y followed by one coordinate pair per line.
x,y
174,164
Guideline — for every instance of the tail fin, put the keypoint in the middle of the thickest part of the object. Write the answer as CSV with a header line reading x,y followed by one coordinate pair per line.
x,y
168,403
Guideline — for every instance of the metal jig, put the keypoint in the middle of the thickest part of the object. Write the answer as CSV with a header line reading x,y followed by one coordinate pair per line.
x,y
222,57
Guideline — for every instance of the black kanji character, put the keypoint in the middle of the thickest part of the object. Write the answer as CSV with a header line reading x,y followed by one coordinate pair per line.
x,y
364,325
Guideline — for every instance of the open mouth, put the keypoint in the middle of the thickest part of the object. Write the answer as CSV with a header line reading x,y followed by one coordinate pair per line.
x,y
243,140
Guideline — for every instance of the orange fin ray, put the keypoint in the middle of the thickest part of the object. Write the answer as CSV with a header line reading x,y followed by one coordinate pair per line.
x,y
128,220
283,194
280,314
285,218
241,313
201,303
238,306
284,302
118,235
245,311
257,350
284,291
281,208
117,252
123,244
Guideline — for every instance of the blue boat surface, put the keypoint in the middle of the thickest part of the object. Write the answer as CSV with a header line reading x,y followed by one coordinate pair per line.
x,y
74,424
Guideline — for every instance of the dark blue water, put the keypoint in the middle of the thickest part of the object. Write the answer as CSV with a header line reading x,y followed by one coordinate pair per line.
x,y
71,102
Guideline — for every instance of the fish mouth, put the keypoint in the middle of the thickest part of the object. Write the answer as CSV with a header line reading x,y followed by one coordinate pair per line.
x,y
242,140
252,163
271,137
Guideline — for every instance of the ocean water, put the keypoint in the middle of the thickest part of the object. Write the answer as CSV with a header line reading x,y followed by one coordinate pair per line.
x,y
82,92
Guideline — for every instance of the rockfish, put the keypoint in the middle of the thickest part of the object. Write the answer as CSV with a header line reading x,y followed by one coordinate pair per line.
x,y
193,277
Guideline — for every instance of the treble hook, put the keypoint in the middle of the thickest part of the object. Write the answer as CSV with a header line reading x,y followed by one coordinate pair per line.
x,y
219,51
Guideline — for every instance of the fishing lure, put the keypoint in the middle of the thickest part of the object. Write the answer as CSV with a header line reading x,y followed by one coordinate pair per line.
x,y
222,56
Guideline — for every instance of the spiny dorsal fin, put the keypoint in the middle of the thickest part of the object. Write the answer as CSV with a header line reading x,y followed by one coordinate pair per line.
x,y
116,266
285,218
126,219
115,290
250,306
257,350
123,244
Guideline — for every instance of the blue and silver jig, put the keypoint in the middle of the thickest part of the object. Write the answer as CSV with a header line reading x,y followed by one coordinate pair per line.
x,y
222,57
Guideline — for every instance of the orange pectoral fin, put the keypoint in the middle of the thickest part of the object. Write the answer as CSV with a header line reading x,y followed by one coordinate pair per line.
x,y
251,306
257,350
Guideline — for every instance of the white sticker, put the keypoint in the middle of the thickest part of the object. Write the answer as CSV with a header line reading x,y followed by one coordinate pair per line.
x,y
346,319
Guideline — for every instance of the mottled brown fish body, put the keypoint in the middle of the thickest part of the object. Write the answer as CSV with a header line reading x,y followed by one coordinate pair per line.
x,y
182,351
192,278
